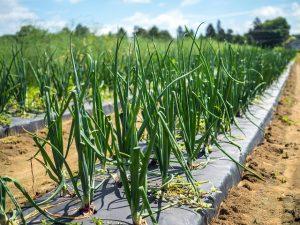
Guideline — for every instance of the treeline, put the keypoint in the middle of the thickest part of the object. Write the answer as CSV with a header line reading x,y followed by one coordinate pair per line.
x,y
269,33
82,30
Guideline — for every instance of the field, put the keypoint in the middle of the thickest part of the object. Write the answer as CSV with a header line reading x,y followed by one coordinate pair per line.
x,y
171,102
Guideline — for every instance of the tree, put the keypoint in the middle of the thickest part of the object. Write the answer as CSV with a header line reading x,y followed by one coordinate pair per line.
x,y
153,32
81,30
221,36
139,31
229,35
190,32
256,23
30,30
65,30
121,32
164,34
270,33
180,32
238,39
210,31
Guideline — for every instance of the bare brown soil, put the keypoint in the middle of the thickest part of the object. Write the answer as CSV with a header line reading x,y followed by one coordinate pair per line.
x,y
15,154
276,200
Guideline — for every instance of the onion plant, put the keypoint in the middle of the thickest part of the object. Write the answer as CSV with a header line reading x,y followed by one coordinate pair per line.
x,y
61,74
54,164
42,72
131,160
20,80
6,85
159,106
101,129
87,149
189,110
86,154
13,217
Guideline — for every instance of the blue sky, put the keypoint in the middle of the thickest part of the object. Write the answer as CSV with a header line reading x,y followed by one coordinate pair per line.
x,y
103,16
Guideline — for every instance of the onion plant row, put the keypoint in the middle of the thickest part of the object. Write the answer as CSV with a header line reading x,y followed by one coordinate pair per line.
x,y
187,93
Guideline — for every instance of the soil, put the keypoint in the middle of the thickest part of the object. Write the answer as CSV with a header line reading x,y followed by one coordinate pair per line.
x,y
15,154
276,200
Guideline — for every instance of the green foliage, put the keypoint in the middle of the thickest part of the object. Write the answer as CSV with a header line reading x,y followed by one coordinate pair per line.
x,y
287,120
4,120
30,30
97,221
180,32
121,32
152,33
6,84
270,33
221,36
81,30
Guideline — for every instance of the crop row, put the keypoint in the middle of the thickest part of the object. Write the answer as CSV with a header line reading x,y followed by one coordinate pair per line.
x,y
191,91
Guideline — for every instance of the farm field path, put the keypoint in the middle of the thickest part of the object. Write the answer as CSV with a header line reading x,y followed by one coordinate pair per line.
x,y
276,200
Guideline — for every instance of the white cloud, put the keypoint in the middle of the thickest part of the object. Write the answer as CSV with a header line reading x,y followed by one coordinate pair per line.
x,y
238,26
296,9
268,12
12,10
189,2
70,1
295,29
13,15
53,25
105,29
169,20
137,1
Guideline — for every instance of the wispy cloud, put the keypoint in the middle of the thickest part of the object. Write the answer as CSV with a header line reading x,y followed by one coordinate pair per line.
x,y
169,20
172,19
296,9
53,24
268,12
13,15
189,2
162,4
12,10
137,1
74,1
70,1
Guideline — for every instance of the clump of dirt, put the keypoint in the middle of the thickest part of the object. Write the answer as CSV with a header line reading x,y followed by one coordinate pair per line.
x,y
276,200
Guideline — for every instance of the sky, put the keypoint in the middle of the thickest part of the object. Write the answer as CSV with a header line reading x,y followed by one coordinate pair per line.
x,y
103,16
